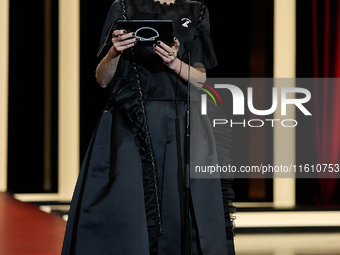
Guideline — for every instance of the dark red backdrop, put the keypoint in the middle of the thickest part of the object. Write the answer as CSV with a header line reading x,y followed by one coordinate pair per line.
x,y
326,63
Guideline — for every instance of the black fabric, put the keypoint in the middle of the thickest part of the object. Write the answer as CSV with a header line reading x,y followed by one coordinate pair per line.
x,y
115,206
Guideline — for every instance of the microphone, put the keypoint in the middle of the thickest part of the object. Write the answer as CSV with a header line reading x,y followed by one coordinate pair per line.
x,y
189,45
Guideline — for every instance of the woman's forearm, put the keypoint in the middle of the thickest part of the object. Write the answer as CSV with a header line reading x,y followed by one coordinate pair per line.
x,y
197,75
107,67
121,40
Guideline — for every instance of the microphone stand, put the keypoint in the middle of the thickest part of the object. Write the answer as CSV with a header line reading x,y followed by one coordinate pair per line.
x,y
188,46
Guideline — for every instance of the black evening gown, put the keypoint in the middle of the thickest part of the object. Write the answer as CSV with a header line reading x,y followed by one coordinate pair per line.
x,y
128,197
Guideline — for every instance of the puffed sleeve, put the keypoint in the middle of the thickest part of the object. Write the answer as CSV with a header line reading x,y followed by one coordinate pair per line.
x,y
204,53
115,13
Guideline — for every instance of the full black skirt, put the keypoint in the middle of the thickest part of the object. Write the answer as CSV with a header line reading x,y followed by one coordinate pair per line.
x,y
109,210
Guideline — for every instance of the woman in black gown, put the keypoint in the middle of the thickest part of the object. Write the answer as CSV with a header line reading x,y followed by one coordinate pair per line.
x,y
128,198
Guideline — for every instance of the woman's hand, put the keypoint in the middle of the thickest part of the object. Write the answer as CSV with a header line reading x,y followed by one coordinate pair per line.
x,y
168,54
121,41
106,69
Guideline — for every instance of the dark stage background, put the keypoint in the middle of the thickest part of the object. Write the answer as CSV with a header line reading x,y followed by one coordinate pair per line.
x,y
239,29
243,38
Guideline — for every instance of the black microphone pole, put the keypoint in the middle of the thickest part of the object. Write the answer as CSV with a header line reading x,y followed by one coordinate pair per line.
x,y
189,46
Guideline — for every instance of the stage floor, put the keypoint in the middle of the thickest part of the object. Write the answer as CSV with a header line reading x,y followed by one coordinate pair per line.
x,y
26,230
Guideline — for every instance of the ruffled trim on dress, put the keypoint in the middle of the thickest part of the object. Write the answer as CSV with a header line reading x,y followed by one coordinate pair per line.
x,y
130,101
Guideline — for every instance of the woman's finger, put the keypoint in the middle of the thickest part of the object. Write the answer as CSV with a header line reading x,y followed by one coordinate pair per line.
x,y
122,37
164,58
127,36
167,48
164,46
117,33
176,45
124,40
162,51
167,57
